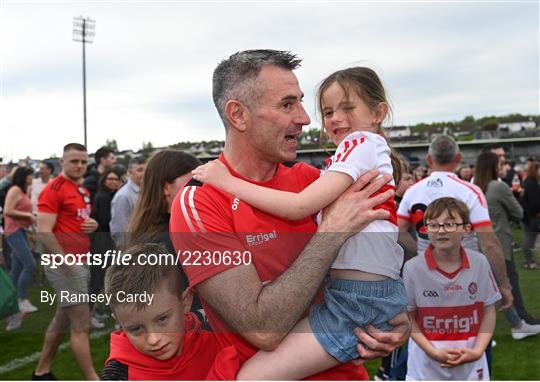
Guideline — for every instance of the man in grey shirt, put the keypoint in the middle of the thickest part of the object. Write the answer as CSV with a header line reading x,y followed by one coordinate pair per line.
x,y
124,200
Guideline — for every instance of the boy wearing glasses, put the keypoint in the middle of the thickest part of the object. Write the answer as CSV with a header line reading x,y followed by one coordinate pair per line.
x,y
451,293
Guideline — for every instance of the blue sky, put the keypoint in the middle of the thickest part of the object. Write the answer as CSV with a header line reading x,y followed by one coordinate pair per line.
x,y
149,69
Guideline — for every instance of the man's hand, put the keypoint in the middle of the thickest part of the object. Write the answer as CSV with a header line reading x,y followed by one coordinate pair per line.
x,y
376,343
354,209
89,225
507,297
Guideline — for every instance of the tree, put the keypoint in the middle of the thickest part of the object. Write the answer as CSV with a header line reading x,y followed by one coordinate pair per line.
x,y
111,144
147,146
468,119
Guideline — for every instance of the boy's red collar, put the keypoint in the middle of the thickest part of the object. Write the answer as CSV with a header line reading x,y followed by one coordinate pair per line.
x,y
432,262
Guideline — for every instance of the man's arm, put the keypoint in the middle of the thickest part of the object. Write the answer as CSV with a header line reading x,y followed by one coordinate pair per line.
x,y
405,238
264,314
45,225
491,247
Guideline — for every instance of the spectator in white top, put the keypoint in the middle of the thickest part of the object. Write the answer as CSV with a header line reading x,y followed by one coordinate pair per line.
x,y
443,158
46,170
124,200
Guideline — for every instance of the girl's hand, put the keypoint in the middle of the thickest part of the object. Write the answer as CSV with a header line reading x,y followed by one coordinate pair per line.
x,y
466,355
213,172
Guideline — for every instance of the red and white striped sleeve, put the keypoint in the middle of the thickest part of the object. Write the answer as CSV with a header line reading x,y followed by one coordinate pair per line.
x,y
476,201
354,156
202,232
404,208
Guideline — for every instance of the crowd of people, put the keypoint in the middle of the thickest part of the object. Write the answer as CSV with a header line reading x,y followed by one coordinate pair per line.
x,y
367,259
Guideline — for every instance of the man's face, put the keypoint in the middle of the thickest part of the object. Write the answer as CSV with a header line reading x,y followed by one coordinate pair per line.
x,y
466,173
44,171
500,153
136,173
74,164
109,160
277,118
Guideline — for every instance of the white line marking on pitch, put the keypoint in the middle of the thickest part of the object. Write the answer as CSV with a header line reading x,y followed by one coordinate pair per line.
x,y
23,361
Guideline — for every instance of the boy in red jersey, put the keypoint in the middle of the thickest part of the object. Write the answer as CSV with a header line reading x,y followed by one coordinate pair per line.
x,y
160,339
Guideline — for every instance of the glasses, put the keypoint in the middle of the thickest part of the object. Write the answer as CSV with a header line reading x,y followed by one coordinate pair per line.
x,y
86,198
113,179
447,227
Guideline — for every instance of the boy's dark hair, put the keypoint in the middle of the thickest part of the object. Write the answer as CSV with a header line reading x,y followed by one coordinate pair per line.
x,y
102,152
19,178
74,146
135,278
456,208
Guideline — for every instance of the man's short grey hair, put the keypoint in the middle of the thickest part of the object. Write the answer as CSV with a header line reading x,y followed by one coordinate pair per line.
x,y
443,149
236,77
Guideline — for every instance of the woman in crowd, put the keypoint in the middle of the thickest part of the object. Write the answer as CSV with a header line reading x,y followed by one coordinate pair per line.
x,y
166,174
109,183
503,207
419,173
18,218
531,201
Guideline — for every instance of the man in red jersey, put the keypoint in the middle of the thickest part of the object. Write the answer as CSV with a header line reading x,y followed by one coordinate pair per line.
x,y
63,225
257,274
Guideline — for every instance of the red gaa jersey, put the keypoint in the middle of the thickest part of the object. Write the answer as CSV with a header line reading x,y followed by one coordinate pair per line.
x,y
71,203
199,350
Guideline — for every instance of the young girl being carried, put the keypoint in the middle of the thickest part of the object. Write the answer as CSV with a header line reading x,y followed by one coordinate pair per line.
x,y
364,285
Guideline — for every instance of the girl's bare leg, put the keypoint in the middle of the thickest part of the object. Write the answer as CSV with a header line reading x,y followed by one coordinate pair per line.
x,y
298,356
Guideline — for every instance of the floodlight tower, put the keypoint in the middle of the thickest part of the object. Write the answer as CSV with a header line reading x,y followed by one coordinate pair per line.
x,y
84,31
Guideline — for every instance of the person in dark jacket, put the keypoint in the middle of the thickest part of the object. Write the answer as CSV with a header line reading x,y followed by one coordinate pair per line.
x,y
110,182
504,207
531,203
104,158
